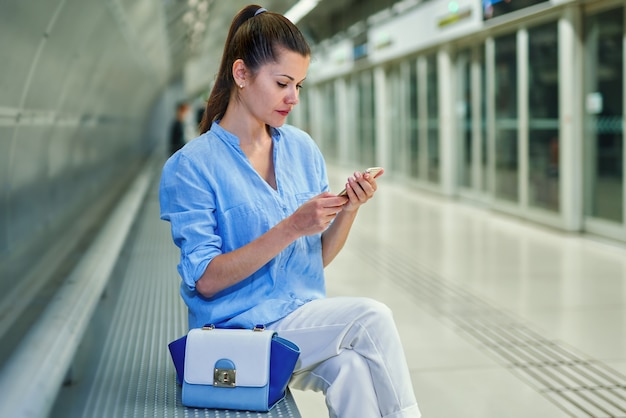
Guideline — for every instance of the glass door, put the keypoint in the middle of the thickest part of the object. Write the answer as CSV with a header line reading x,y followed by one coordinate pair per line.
x,y
543,118
471,120
506,119
397,104
464,119
604,116
365,120
432,122
329,128
413,120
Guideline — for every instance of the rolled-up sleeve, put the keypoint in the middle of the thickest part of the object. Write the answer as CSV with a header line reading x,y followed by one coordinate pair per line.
x,y
188,203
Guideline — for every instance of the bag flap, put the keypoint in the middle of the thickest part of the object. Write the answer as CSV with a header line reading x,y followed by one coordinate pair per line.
x,y
248,350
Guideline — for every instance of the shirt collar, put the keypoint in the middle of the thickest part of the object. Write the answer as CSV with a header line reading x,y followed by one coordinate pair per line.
x,y
233,139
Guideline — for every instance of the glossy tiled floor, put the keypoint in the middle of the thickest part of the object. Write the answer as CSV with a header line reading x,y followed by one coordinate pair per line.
x,y
499,318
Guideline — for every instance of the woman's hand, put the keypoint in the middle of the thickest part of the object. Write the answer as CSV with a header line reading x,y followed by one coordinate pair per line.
x,y
359,189
314,216
229,268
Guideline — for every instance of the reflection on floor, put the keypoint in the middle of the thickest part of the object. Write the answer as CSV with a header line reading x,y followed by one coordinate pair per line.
x,y
499,318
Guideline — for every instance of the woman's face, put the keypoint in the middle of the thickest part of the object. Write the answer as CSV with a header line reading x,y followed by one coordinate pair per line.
x,y
275,89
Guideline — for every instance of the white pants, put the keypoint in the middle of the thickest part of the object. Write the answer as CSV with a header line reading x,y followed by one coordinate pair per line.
x,y
351,351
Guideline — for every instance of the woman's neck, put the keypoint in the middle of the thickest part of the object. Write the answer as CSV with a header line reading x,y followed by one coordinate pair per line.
x,y
249,130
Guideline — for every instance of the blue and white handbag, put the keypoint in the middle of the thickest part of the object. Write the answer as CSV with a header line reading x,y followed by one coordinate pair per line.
x,y
238,369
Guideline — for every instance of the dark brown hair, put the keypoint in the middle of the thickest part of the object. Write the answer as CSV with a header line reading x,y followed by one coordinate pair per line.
x,y
256,39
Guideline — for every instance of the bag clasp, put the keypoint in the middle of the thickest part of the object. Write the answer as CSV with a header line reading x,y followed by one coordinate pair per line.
x,y
224,378
225,374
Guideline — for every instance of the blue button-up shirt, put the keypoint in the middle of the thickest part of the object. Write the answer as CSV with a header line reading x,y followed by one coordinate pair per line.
x,y
216,202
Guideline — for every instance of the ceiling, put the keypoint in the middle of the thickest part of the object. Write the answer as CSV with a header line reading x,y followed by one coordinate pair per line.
x,y
199,27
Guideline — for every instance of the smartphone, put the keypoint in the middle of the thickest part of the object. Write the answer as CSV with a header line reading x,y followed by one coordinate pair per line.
x,y
374,171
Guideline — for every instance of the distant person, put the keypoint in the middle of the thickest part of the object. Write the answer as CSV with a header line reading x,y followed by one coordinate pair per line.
x,y
251,210
178,127
199,117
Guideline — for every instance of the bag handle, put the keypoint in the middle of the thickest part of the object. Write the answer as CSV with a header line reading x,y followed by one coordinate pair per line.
x,y
209,327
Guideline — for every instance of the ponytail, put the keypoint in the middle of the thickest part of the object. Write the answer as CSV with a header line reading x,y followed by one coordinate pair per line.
x,y
254,36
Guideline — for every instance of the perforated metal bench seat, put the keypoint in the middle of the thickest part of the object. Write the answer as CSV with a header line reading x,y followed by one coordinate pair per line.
x,y
123,368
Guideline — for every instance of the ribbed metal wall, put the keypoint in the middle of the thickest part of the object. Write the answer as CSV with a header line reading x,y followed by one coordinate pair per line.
x,y
77,81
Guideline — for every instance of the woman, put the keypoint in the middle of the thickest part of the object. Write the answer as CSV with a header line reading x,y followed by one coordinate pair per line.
x,y
250,208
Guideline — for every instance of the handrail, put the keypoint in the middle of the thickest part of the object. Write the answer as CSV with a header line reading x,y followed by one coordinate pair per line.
x,y
32,377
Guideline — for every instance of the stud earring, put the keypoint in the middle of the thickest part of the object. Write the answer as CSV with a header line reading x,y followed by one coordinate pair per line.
x,y
241,86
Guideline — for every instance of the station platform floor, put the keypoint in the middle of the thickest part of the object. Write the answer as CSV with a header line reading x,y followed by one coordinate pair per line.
x,y
499,318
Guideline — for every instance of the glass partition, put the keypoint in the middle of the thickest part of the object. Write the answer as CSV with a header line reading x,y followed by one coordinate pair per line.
x,y
506,118
413,121
329,127
432,103
604,133
464,110
543,112
366,120
396,120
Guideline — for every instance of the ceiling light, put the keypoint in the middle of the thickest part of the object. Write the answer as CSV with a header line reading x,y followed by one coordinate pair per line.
x,y
300,9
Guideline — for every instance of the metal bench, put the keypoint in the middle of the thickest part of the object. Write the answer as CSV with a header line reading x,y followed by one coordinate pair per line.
x,y
114,359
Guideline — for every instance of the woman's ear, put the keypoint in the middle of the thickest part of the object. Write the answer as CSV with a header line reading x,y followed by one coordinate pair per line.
x,y
240,72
